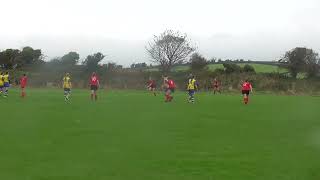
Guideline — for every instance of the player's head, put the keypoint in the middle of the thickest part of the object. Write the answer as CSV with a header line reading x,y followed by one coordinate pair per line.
x,y
246,80
7,72
24,74
67,74
94,74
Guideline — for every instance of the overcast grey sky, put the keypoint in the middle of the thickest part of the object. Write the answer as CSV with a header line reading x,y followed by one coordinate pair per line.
x,y
249,29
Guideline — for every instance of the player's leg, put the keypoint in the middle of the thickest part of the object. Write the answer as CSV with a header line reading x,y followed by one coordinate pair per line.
x,y
22,92
167,95
65,94
244,96
95,95
92,94
171,94
193,98
68,94
154,91
5,94
190,96
247,98
6,89
166,99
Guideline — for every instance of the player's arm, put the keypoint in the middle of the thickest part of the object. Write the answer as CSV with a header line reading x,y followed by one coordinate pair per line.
x,y
251,89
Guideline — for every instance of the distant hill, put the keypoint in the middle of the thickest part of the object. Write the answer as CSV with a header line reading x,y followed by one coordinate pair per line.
x,y
260,67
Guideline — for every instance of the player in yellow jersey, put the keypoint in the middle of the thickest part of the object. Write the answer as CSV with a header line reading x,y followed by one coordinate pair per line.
x,y
6,83
1,83
67,86
191,87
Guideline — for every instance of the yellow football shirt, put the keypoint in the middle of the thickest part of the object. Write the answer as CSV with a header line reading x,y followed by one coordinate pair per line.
x,y
192,84
67,82
1,80
6,78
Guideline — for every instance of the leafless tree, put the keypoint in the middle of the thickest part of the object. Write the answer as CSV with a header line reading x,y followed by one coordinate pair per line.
x,y
169,48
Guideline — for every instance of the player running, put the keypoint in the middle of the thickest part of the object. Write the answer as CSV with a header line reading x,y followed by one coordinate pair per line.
x,y
1,83
192,87
246,89
152,86
216,86
23,84
6,84
66,83
169,88
94,85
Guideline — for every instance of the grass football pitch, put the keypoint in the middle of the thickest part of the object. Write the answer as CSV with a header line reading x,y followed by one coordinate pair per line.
x,y
132,135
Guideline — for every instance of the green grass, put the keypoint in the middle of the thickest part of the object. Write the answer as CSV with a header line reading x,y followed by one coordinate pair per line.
x,y
259,68
265,68
130,135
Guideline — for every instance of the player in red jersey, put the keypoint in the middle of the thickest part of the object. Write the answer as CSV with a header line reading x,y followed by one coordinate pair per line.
x,y
216,86
246,89
152,86
23,84
94,85
169,88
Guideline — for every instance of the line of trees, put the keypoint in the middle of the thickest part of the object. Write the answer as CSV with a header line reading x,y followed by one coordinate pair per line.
x,y
301,60
171,48
15,58
166,50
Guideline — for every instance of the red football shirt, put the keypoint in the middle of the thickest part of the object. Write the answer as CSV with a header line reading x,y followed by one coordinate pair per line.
x,y
171,84
94,80
246,86
151,83
216,83
23,81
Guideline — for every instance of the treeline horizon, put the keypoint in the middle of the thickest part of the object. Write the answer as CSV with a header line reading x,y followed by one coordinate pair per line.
x,y
167,50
